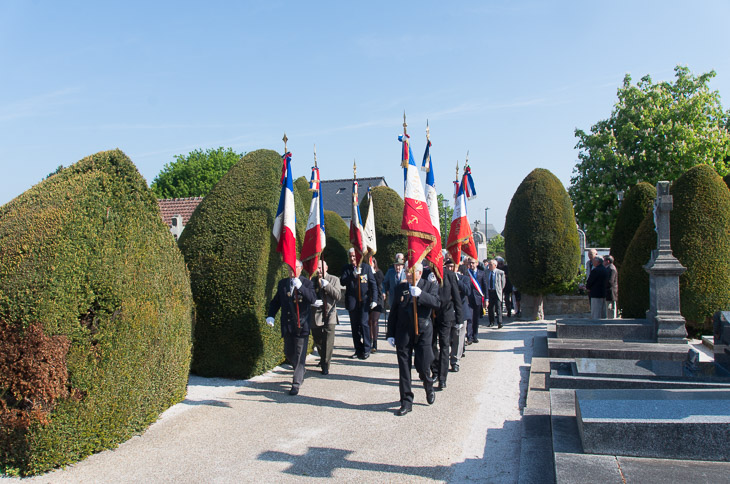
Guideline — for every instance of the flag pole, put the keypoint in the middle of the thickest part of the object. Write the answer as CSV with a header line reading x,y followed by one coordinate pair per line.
x,y
412,269
354,178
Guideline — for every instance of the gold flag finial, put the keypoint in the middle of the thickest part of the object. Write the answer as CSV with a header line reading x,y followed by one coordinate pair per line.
x,y
405,125
285,139
354,169
315,156
466,162
428,132
457,170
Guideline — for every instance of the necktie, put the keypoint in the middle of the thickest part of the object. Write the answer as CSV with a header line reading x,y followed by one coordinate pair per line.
x,y
491,280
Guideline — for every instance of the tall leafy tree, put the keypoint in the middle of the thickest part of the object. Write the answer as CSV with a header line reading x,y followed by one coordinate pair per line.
x,y
656,131
445,214
495,247
194,174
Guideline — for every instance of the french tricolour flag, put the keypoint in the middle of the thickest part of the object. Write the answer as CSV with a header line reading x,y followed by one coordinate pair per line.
x,y
416,224
285,222
315,238
460,235
356,231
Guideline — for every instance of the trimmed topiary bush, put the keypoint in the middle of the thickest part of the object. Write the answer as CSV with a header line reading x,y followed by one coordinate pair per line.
x,y
633,280
388,206
701,241
541,238
95,315
234,268
338,242
638,202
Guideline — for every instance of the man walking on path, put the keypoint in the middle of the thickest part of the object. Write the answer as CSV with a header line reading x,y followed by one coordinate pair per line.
x,y
294,296
402,334
477,289
458,330
449,312
495,290
360,296
611,287
323,319
596,285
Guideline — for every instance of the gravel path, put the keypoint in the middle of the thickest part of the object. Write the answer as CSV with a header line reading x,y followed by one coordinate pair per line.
x,y
340,426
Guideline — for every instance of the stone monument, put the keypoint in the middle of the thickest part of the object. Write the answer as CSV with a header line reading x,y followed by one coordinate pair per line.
x,y
664,270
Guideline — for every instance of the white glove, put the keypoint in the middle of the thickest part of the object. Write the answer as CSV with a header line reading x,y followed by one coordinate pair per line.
x,y
317,303
391,341
270,321
373,304
358,270
296,283
323,282
415,291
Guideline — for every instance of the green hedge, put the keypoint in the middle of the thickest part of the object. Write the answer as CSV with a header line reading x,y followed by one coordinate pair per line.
x,y
388,206
234,268
338,242
541,238
638,202
701,241
633,280
87,264
726,179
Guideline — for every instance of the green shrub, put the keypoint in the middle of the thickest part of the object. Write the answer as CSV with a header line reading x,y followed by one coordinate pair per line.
x,y
726,179
388,206
633,280
701,241
338,242
95,297
234,268
541,238
638,202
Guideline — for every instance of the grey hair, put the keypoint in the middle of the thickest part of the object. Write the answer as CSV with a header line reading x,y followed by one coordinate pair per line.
x,y
299,263
351,251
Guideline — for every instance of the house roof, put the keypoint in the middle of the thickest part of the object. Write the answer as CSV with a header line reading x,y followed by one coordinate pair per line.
x,y
170,207
337,194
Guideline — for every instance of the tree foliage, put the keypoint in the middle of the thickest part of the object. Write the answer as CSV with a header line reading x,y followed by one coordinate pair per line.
x,y
495,247
638,202
656,131
194,174
541,239
445,214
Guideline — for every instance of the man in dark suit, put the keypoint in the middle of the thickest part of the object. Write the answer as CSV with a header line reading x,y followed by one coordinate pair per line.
x,y
402,334
495,291
360,296
448,313
294,296
476,292
596,285
611,287
458,331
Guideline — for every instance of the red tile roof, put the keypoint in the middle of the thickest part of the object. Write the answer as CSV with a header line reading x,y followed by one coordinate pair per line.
x,y
170,207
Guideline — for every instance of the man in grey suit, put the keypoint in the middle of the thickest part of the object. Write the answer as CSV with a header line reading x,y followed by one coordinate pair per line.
x,y
324,314
495,288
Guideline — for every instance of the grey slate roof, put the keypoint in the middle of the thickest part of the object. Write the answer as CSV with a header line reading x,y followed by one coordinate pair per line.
x,y
337,194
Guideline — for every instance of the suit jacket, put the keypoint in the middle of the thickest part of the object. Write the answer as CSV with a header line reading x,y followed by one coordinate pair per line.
x,y
391,281
330,296
368,287
596,282
400,319
288,301
612,283
450,308
472,295
499,282
463,284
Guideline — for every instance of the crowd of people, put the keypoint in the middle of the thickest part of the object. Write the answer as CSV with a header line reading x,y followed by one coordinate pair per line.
x,y
602,285
430,324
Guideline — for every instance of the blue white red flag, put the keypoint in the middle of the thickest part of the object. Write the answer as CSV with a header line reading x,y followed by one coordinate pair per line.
x,y
371,246
285,222
460,235
416,223
431,195
356,231
315,238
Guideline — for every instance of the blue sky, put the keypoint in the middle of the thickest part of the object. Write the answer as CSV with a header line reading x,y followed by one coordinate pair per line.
x,y
508,81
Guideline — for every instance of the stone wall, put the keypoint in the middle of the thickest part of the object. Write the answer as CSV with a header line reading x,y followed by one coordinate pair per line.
x,y
566,304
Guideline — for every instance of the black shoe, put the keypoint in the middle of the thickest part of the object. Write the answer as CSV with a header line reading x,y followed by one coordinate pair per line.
x,y
354,355
490,325
430,396
475,341
402,411
442,385
469,341
455,368
500,326
364,357
325,369
294,391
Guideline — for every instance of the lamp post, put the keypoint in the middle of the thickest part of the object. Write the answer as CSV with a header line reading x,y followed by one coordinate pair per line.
x,y
486,226
620,196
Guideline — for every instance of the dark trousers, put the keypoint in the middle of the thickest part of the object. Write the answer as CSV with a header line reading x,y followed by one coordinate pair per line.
x,y
360,330
457,341
472,322
373,318
324,340
507,298
295,350
495,306
442,348
406,344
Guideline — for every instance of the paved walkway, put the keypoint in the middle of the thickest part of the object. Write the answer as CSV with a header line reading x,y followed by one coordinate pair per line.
x,y
340,426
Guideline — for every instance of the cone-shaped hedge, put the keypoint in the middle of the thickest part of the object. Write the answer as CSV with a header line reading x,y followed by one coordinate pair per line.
x,y
96,307
633,280
638,202
388,206
701,241
234,268
541,238
338,242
